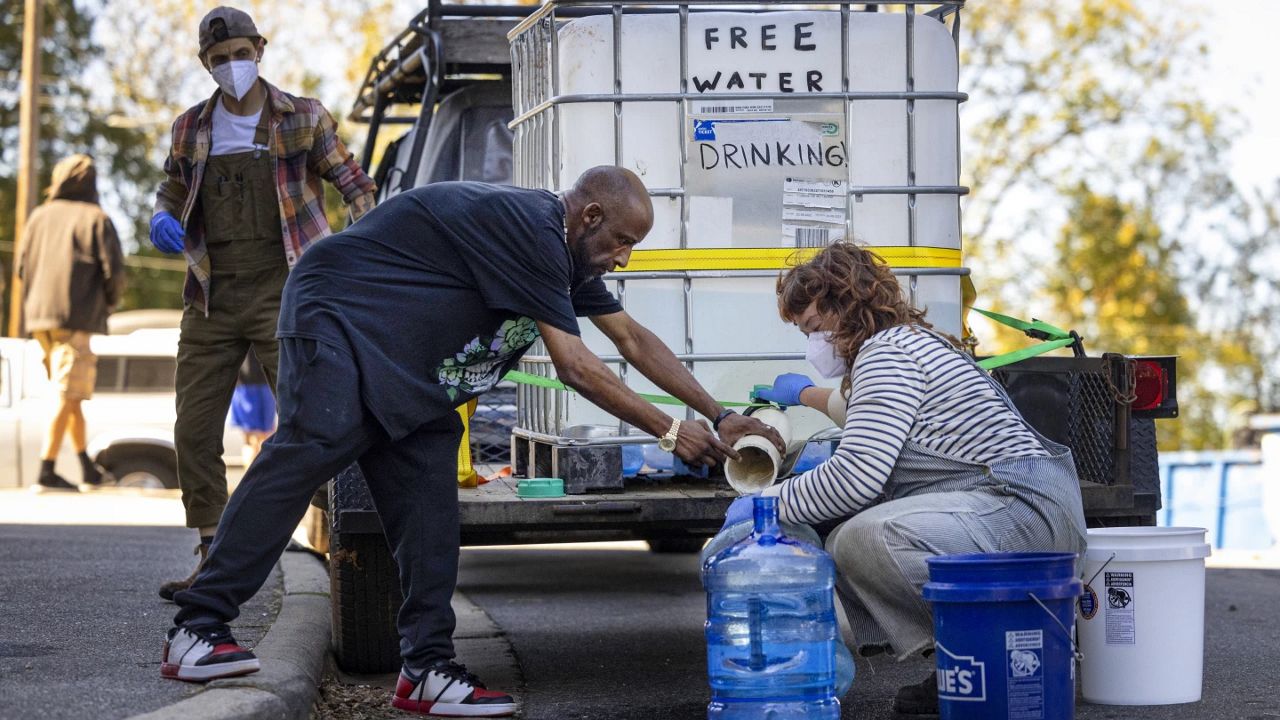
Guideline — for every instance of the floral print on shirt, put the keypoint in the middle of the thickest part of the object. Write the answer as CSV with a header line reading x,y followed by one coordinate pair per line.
x,y
479,365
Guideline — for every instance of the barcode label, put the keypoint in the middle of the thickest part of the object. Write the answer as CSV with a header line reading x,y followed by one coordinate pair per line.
x,y
729,106
812,237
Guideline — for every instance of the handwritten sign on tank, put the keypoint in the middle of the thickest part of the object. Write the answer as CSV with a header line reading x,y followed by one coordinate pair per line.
x,y
786,52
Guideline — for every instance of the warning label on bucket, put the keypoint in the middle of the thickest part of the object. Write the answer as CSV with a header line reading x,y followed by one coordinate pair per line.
x,y
1119,605
1025,650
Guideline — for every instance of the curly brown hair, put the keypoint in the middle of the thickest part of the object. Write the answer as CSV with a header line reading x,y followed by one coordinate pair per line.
x,y
856,286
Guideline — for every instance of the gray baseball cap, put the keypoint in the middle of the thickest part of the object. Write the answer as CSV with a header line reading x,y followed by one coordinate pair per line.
x,y
225,23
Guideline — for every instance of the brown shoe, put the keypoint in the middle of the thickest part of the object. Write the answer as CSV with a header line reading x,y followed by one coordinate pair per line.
x,y
919,700
173,586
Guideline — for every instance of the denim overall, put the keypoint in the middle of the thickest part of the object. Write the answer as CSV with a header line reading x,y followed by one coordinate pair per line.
x,y
940,504
241,212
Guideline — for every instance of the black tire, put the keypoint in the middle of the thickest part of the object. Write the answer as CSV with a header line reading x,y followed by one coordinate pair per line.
x,y
144,471
676,546
365,592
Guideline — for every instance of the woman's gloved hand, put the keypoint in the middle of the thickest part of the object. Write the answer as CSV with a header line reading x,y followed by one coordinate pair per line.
x,y
166,232
740,510
786,389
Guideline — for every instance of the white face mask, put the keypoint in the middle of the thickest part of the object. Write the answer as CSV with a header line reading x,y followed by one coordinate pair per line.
x,y
822,355
236,77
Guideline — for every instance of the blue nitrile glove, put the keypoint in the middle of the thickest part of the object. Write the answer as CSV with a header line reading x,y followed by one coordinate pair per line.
x,y
786,389
166,232
740,510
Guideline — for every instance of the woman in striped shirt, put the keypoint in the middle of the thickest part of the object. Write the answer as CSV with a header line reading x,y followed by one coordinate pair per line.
x,y
934,459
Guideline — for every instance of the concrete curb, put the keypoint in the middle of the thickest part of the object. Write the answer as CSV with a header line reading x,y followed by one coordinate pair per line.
x,y
293,654
485,649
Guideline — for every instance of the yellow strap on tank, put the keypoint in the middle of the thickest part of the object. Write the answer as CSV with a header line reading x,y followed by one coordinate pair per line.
x,y
898,256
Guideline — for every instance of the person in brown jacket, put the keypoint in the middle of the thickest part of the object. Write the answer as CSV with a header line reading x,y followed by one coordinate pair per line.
x,y
72,273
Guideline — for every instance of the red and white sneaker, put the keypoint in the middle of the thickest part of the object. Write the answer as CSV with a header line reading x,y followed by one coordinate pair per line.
x,y
207,652
446,689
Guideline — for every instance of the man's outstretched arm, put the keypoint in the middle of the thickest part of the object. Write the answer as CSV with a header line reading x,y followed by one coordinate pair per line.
x,y
581,370
655,360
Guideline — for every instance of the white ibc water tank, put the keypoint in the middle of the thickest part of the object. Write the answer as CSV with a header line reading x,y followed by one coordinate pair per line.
x,y
877,133
753,171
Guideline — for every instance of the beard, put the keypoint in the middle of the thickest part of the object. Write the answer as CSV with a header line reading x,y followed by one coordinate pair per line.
x,y
583,270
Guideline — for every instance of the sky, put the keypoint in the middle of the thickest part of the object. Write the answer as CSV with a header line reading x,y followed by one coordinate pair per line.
x,y
1242,59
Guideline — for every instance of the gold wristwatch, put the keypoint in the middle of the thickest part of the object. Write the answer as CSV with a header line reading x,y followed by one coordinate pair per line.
x,y
668,441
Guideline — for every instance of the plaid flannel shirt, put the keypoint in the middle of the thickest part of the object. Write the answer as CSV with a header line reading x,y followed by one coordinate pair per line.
x,y
304,148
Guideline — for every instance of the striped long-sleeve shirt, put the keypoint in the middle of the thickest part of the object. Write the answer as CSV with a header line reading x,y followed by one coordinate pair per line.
x,y
907,384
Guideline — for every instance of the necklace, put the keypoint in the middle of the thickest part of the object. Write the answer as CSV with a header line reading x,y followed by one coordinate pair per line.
x,y
564,222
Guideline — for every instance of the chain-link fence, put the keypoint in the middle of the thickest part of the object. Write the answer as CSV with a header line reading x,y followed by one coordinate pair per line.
x,y
492,423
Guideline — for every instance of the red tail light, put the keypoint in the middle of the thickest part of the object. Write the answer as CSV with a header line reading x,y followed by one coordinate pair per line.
x,y
1151,385
1155,386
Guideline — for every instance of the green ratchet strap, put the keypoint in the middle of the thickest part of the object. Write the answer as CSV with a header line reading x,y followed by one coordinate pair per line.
x,y
1038,329
1054,338
551,383
998,361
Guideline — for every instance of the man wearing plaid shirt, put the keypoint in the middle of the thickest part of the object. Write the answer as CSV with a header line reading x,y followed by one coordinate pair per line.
x,y
242,200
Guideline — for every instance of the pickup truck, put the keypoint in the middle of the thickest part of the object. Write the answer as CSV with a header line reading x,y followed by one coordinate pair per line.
x,y
129,419
471,92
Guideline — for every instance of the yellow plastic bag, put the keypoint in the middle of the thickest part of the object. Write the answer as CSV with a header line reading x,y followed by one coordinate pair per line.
x,y
467,476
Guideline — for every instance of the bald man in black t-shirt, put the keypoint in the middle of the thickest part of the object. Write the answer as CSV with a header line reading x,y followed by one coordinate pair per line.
x,y
388,326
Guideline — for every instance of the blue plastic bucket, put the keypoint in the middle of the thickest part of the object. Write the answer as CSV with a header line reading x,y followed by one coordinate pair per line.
x,y
1002,626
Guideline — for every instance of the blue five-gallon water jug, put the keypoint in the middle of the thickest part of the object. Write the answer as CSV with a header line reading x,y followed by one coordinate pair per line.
x,y
771,626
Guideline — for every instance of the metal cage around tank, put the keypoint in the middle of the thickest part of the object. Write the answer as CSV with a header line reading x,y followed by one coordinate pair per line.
x,y
541,104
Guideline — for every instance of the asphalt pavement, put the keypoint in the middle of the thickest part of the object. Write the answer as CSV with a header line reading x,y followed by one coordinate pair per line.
x,y
616,634
603,632
83,627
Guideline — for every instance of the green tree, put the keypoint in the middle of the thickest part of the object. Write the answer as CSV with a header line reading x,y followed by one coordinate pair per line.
x,y
1099,185
1116,282
70,120
1239,287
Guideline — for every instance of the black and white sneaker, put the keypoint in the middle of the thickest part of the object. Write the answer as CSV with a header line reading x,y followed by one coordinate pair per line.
x,y
446,689
207,652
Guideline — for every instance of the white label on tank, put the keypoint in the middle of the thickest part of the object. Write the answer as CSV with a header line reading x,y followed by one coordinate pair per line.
x,y
810,236
833,216
813,212
1119,608
1024,656
831,189
729,107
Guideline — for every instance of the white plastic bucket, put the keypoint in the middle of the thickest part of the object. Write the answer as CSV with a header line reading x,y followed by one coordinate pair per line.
x,y
1141,616
759,460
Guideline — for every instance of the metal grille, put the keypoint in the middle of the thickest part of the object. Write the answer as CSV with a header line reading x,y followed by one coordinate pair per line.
x,y
491,425
1073,401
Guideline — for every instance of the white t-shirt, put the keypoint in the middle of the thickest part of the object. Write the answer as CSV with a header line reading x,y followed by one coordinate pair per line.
x,y
233,133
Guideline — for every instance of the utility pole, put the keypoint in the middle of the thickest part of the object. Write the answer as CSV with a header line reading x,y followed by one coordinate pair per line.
x,y
28,147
